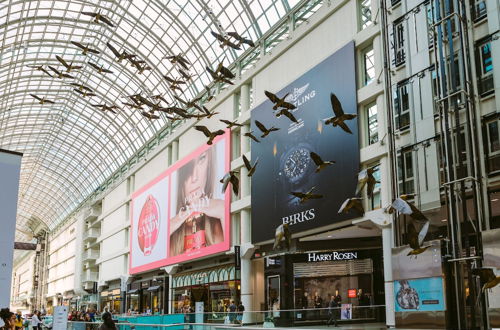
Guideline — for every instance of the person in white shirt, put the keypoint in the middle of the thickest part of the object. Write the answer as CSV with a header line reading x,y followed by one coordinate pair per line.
x,y
36,323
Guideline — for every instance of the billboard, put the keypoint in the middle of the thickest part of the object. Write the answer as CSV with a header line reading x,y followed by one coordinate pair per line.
x,y
183,213
427,264
10,171
424,294
285,164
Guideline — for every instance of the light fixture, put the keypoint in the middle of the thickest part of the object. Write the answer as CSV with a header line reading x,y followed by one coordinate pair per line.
x,y
444,220
494,200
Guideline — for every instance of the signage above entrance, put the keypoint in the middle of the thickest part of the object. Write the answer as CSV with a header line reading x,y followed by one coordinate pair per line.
x,y
331,256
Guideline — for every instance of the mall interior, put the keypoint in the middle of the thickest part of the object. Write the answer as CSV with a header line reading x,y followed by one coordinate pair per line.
x,y
160,158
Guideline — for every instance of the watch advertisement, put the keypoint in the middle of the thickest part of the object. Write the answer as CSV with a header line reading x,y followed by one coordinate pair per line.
x,y
424,294
183,213
285,164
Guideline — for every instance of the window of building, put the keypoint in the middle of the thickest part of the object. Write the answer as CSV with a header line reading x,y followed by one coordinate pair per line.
x,y
365,13
478,10
430,25
493,145
484,67
368,65
372,122
399,43
402,106
237,105
435,90
406,180
376,201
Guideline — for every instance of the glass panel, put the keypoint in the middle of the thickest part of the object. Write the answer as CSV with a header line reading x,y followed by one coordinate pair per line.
x,y
71,148
369,65
366,13
493,137
371,113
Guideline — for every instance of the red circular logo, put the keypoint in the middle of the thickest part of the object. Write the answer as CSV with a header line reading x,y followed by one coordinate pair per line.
x,y
149,225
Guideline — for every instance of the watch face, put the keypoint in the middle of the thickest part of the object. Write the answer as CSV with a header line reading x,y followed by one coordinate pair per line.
x,y
296,164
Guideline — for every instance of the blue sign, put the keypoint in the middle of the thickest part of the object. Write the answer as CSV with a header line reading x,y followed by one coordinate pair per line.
x,y
424,294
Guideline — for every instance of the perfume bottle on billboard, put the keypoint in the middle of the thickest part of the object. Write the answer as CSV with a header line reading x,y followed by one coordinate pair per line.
x,y
148,226
197,239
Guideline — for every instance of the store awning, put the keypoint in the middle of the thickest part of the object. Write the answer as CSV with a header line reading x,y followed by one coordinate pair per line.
x,y
213,275
154,288
134,291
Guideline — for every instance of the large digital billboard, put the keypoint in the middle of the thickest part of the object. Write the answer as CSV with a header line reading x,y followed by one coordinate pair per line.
x,y
285,164
183,213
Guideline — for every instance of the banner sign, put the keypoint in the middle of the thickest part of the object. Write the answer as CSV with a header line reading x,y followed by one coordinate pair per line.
x,y
60,318
183,213
424,294
10,169
237,257
285,164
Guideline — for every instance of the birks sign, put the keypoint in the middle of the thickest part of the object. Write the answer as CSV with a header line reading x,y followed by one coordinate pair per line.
x,y
331,256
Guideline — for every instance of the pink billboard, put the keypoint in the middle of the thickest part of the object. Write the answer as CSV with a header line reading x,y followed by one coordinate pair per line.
x,y
183,214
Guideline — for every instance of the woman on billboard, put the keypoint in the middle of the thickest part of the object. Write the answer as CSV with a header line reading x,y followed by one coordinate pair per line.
x,y
199,215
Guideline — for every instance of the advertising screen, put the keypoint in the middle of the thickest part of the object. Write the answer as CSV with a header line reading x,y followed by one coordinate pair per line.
x,y
149,212
423,294
183,213
285,164
199,210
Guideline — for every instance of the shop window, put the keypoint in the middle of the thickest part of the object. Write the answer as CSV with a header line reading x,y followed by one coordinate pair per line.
x,y
273,292
368,65
406,180
372,123
402,106
365,13
478,10
398,44
493,145
484,68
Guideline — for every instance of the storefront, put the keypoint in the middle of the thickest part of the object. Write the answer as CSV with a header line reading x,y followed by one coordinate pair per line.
x,y
148,296
215,287
111,300
308,280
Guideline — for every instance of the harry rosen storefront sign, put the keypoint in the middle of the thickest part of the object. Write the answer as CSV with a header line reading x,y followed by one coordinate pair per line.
x,y
331,256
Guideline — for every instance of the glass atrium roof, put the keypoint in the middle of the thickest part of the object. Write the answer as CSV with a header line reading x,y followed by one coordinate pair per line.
x,y
71,147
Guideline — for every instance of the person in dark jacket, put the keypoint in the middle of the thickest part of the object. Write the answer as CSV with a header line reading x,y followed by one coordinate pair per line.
x,y
108,323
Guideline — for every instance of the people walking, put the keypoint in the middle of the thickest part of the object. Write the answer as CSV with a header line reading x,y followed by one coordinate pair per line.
x,y
19,321
232,312
36,321
333,306
241,309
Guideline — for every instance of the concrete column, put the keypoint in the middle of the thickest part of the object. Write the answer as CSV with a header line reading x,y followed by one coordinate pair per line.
x,y
175,151
246,265
170,295
383,221
245,222
169,155
389,283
